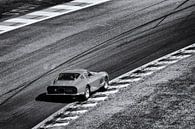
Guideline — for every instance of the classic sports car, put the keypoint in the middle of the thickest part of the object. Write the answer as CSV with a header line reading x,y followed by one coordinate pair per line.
x,y
78,82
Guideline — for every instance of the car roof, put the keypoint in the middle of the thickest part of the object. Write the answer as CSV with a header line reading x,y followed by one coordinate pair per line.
x,y
81,71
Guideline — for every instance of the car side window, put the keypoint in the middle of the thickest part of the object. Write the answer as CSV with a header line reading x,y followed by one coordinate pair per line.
x,y
89,74
82,77
86,75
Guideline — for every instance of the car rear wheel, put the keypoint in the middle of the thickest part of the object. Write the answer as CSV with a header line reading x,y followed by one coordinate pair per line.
x,y
105,87
87,93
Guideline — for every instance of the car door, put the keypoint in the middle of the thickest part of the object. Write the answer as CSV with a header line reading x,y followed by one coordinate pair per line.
x,y
93,81
100,80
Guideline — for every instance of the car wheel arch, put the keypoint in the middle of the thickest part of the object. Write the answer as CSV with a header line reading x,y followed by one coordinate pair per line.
x,y
88,86
84,97
106,78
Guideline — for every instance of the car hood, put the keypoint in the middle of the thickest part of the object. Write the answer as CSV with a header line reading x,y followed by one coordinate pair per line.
x,y
65,83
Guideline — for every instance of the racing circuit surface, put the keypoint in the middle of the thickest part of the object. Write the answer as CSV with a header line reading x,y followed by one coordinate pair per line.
x,y
116,37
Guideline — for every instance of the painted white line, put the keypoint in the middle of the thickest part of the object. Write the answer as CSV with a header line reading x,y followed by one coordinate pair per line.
x,y
179,57
21,20
143,74
167,62
3,27
35,17
68,7
118,86
84,105
129,80
155,68
56,125
89,105
189,51
67,118
92,1
77,112
98,99
43,13
75,106
107,92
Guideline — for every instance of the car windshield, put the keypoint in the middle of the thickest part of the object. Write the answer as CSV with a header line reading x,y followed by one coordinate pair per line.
x,y
68,76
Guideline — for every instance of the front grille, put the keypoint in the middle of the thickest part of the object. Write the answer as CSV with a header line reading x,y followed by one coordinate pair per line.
x,y
61,90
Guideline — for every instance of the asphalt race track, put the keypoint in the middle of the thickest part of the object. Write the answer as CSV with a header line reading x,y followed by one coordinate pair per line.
x,y
116,37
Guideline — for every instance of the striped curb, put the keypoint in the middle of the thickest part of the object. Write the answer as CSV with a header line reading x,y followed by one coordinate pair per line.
x,y
73,111
51,12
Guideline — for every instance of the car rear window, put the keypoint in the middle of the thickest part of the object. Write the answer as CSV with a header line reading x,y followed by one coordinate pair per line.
x,y
68,76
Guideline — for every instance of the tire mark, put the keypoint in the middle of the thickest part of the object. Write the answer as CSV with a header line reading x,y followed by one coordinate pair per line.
x,y
173,10
182,4
122,35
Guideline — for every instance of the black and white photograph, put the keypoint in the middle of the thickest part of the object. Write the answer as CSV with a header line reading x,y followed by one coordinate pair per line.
x,y
97,64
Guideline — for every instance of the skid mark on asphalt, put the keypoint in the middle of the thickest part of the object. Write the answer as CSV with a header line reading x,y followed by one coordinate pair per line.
x,y
151,22
33,17
182,4
71,112
171,12
37,16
